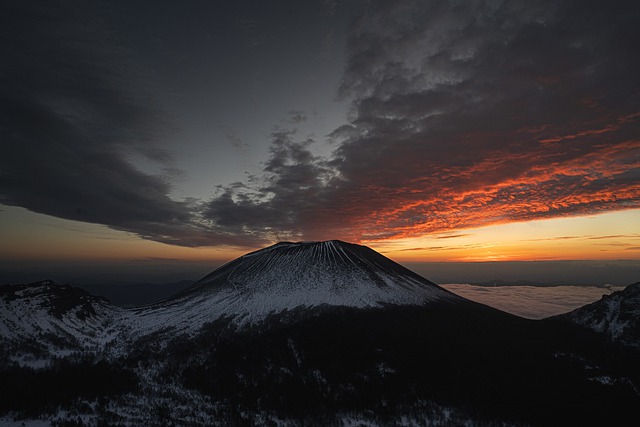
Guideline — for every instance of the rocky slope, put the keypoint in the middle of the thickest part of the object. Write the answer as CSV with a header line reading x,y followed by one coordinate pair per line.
x,y
44,320
616,316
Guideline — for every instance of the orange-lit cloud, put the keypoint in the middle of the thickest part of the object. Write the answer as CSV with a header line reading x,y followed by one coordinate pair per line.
x,y
542,184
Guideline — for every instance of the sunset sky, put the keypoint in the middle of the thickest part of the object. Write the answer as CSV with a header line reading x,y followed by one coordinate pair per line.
x,y
428,130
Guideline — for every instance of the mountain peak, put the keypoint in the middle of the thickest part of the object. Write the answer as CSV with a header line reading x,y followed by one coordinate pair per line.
x,y
314,273
325,246
288,276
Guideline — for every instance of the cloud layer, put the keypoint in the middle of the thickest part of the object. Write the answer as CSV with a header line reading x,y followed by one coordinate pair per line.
x,y
463,114
533,302
467,114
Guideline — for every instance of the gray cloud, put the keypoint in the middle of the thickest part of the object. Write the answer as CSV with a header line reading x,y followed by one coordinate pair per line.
x,y
232,137
296,116
286,201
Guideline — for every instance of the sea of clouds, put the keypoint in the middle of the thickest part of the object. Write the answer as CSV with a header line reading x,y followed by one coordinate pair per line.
x,y
532,302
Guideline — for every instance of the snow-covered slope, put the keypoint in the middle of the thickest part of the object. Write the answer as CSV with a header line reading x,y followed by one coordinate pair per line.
x,y
43,320
333,328
287,276
246,291
616,315
46,320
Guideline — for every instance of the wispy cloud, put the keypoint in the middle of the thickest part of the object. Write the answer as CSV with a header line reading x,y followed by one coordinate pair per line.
x,y
296,116
589,237
232,137
454,236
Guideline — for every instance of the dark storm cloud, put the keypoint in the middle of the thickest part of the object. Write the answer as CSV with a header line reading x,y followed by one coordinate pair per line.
x,y
73,115
467,114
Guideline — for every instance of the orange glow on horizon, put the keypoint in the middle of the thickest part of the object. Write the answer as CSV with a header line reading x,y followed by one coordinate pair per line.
x,y
606,236
32,236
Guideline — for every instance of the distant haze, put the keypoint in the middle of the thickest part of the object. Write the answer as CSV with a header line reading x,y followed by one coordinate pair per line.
x,y
620,273
616,272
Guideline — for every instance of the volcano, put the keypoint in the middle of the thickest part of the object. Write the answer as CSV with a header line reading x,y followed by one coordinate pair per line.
x,y
289,275
294,276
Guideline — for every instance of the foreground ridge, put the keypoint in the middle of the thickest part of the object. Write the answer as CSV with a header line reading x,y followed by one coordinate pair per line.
x,y
616,316
313,333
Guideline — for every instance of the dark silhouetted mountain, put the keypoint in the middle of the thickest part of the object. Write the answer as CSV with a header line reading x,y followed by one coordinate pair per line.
x,y
316,333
